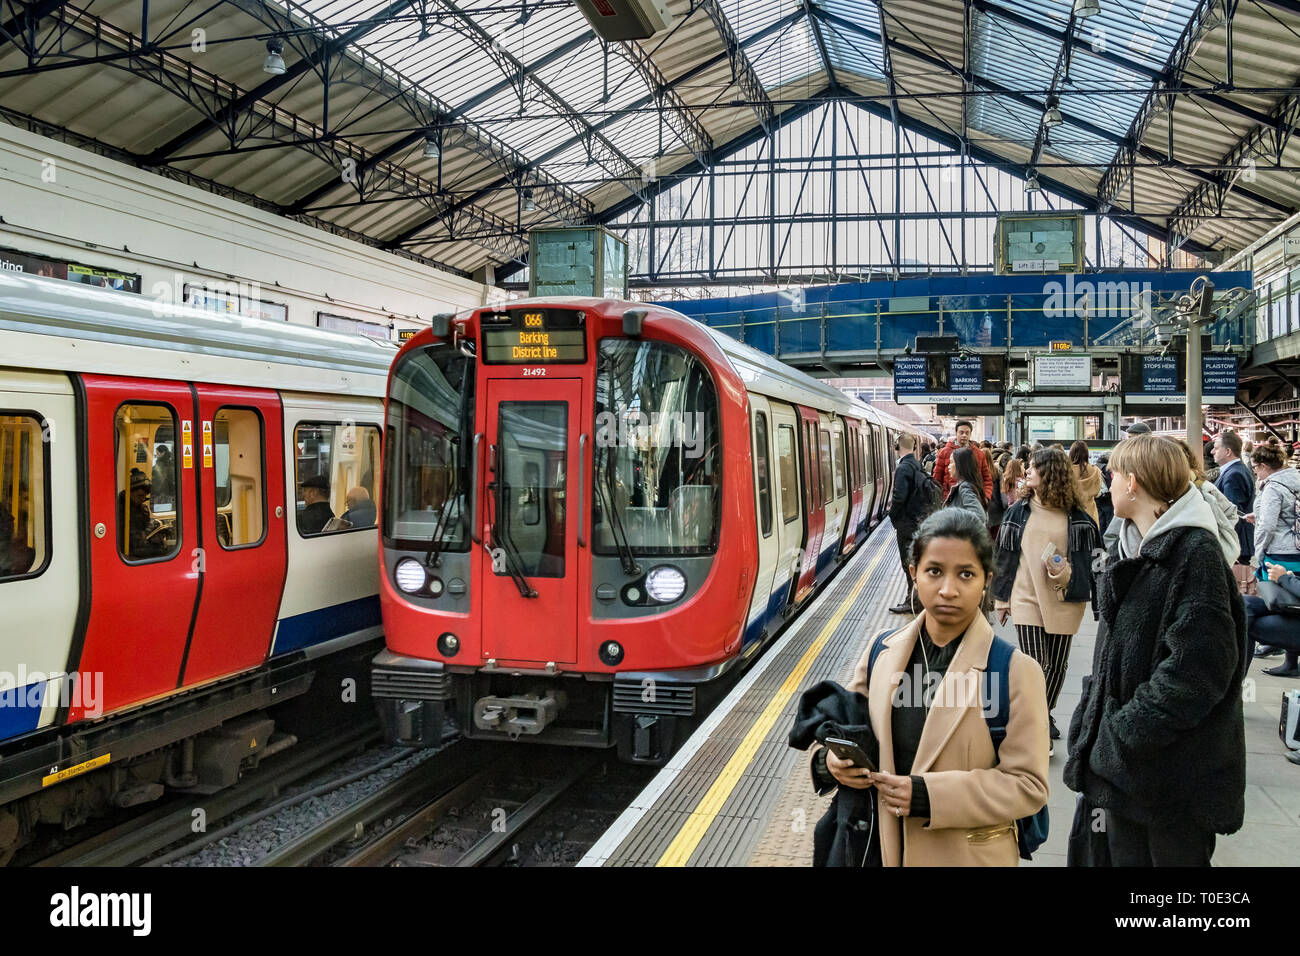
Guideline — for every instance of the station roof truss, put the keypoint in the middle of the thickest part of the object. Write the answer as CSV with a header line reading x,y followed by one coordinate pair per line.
x,y
443,130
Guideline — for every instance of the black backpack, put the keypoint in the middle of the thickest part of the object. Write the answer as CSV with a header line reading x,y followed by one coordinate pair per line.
x,y
927,496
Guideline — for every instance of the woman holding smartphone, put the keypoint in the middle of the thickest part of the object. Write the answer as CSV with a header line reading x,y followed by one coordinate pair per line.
x,y
945,796
1044,568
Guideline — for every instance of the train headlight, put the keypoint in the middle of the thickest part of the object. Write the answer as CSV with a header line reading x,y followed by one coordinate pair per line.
x,y
448,644
409,575
665,584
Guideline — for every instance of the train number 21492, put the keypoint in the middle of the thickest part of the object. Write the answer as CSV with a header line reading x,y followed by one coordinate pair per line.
x,y
534,371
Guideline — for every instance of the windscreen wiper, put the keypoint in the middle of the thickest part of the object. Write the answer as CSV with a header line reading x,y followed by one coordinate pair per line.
x,y
625,553
501,539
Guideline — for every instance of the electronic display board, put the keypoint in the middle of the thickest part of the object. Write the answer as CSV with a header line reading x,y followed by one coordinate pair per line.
x,y
534,337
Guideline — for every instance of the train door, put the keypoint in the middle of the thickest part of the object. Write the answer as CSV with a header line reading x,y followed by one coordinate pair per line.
x,y
869,469
530,567
812,502
852,449
788,519
238,454
145,561
761,607
39,548
835,491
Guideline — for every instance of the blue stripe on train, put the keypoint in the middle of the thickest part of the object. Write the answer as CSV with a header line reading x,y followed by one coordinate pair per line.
x,y
326,623
20,709
775,601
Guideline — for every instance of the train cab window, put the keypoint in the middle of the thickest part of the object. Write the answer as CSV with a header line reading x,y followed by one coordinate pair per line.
x,y
789,469
335,475
148,483
429,450
761,459
24,512
828,481
656,485
239,476
837,451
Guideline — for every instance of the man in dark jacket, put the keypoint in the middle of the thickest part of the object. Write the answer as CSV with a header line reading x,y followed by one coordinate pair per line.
x,y
317,514
907,510
962,441
1238,486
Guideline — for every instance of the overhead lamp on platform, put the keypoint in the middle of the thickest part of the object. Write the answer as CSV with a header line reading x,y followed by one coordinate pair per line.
x,y
530,204
431,148
1086,8
1052,117
1031,182
274,62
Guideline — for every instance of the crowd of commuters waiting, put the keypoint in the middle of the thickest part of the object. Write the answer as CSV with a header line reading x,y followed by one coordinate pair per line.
x,y
1188,560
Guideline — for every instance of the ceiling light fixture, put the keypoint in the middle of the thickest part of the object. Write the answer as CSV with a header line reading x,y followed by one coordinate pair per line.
x,y
1052,117
530,204
1031,182
274,63
1086,8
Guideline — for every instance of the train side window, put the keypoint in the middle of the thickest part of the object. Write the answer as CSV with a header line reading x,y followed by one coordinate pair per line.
x,y
335,475
240,477
24,505
789,470
148,483
837,453
863,437
764,472
828,482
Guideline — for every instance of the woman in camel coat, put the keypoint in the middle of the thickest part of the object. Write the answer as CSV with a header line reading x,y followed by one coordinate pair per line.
x,y
944,797
1088,476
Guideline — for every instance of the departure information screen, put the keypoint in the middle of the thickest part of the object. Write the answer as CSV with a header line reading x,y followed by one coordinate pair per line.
x,y
534,337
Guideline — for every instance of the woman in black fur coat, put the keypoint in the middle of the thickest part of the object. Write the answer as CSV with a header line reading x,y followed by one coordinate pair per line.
x,y
1157,744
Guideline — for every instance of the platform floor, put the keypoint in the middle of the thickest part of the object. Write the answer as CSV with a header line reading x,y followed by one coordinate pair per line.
x,y
737,795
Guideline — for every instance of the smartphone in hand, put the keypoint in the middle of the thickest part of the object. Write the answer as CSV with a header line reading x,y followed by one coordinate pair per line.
x,y
848,750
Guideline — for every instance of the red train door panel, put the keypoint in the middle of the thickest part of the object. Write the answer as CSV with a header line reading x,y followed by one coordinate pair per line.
x,y
144,538
532,544
239,458
808,423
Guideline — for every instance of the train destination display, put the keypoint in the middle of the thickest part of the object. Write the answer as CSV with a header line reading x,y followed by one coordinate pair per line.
x,y
949,379
1162,379
534,337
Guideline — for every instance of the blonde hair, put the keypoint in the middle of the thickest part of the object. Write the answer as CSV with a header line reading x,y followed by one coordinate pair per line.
x,y
1013,471
1194,464
1157,463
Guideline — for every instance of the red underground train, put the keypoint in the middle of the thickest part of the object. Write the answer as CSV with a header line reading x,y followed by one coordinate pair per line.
x,y
595,513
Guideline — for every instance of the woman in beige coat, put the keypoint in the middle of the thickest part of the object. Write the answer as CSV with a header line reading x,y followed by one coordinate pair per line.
x,y
1045,621
1088,476
944,797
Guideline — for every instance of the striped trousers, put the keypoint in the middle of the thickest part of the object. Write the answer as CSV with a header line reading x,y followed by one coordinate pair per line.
x,y
1052,651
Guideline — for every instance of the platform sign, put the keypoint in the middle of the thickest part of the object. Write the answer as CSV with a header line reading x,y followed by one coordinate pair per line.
x,y
909,375
1160,380
964,380
1066,372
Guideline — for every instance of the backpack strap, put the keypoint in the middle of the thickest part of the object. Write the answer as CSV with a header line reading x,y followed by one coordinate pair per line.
x,y
996,695
877,648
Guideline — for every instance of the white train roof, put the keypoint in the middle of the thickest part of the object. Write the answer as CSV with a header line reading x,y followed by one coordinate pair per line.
x,y
54,324
771,377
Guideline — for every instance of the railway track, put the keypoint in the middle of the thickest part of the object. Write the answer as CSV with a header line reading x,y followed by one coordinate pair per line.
x,y
130,842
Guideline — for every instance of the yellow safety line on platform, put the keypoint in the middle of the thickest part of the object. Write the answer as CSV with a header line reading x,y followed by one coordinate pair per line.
x,y
701,818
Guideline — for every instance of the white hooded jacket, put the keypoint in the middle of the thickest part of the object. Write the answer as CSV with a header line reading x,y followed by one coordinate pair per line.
x,y
1192,510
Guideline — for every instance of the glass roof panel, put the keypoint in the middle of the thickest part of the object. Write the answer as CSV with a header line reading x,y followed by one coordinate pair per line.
x,y
790,55
848,49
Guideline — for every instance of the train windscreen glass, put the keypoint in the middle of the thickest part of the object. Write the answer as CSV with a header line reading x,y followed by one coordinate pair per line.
x,y
428,449
657,461
534,337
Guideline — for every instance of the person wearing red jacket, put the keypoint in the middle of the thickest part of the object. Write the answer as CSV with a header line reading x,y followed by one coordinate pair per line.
x,y
962,441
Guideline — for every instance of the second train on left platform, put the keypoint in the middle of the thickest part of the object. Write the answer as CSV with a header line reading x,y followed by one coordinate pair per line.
x,y
594,513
